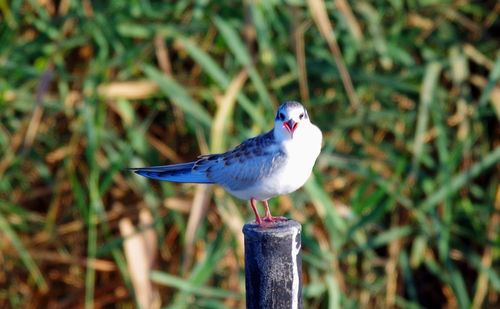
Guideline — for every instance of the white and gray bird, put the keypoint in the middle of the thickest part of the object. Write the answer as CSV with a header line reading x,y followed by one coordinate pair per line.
x,y
274,163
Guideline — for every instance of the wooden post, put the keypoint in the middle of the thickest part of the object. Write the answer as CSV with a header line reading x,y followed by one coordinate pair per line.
x,y
273,264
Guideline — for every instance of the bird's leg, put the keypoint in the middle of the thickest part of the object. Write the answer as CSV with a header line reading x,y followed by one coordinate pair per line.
x,y
257,217
268,213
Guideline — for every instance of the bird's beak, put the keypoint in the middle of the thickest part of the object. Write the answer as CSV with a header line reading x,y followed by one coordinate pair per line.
x,y
290,126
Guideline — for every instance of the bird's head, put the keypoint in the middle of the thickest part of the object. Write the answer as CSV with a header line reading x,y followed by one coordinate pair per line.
x,y
291,116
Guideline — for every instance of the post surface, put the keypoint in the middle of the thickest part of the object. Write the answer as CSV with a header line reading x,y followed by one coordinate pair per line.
x,y
273,264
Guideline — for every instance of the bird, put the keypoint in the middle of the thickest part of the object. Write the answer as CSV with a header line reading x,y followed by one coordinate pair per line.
x,y
268,165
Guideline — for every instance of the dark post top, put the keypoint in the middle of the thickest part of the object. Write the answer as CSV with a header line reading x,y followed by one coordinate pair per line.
x,y
273,264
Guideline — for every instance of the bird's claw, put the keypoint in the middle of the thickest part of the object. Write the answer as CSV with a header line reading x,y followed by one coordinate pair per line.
x,y
270,218
274,219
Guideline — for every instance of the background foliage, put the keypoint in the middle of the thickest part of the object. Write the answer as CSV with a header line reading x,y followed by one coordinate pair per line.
x,y
402,209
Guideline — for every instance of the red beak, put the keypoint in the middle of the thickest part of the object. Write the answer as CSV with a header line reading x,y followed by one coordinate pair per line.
x,y
290,126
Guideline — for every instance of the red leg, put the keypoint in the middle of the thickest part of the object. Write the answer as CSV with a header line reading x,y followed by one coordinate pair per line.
x,y
257,217
268,213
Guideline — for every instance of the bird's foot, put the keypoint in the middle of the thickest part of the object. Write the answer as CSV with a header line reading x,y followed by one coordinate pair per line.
x,y
273,219
270,218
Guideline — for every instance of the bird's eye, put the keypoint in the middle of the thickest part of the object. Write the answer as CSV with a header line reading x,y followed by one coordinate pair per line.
x,y
301,116
282,117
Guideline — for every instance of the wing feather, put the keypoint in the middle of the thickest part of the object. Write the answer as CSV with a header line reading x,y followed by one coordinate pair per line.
x,y
244,165
175,172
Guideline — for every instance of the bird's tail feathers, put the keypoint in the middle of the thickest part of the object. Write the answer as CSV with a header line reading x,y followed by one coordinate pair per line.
x,y
175,173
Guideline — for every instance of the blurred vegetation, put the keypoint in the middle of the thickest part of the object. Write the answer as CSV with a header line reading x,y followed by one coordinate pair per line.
x,y
403,209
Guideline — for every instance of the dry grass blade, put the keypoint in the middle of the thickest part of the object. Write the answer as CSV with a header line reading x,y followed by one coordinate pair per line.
x,y
320,17
38,111
392,271
300,54
163,148
230,215
162,54
469,24
140,253
482,82
179,204
225,108
474,54
148,235
131,90
196,215
346,10
15,142
492,16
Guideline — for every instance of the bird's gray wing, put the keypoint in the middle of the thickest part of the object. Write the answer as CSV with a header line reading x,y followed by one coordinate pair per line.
x,y
244,165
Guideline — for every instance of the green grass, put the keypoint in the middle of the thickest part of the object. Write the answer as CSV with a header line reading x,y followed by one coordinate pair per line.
x,y
402,209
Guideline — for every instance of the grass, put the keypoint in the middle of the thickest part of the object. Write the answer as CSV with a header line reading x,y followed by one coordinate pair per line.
x,y
402,209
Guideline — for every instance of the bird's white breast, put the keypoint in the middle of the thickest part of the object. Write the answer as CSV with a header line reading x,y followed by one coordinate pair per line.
x,y
302,152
